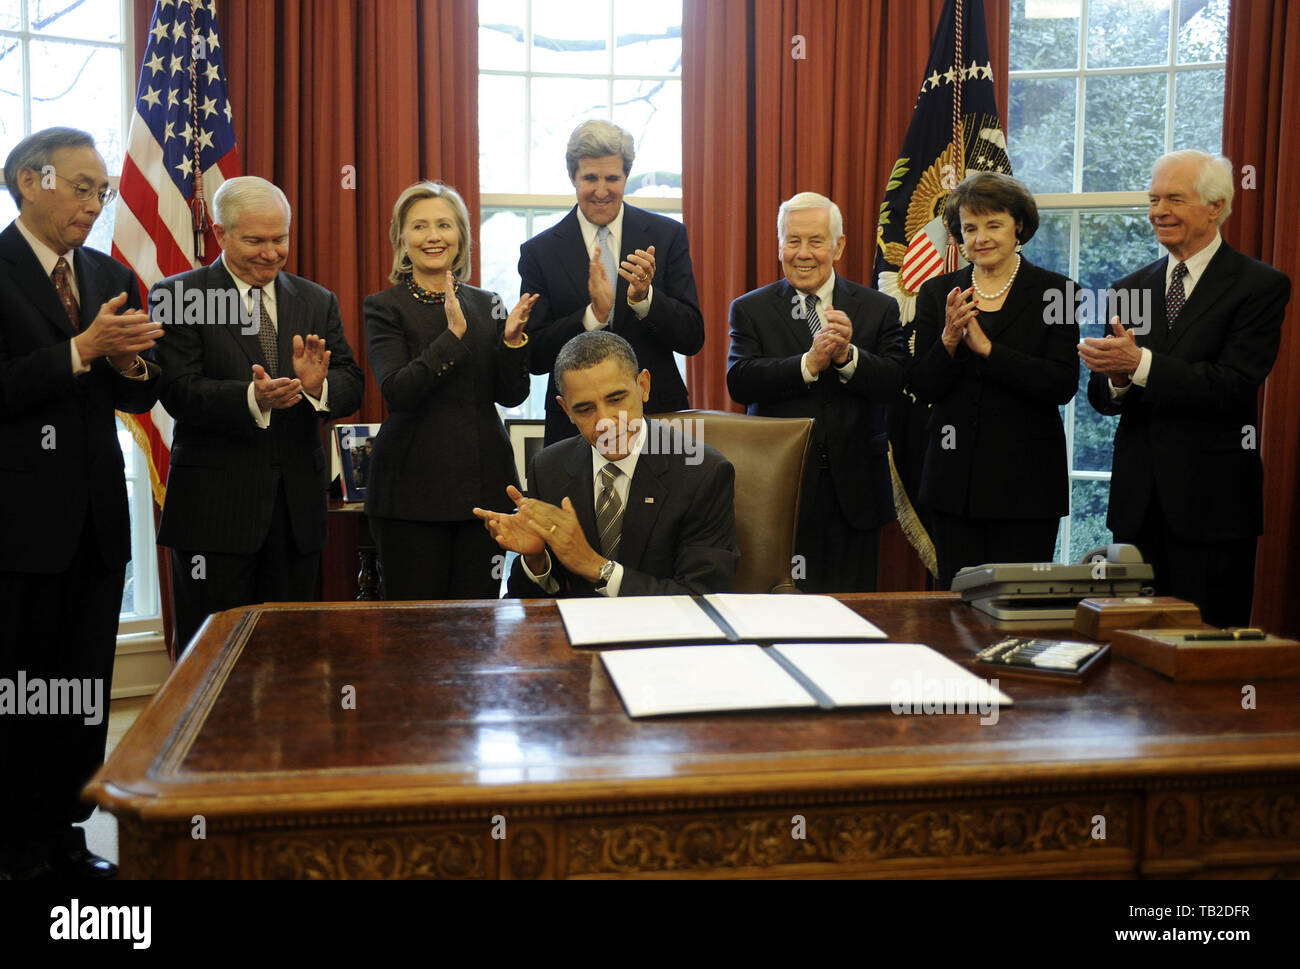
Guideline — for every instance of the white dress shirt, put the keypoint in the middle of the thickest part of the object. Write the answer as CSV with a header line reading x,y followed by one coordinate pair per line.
x,y
589,232
262,418
622,484
1196,265
824,293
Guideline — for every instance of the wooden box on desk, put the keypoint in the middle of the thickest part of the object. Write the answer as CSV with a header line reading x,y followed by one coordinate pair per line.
x,y
1098,618
1167,651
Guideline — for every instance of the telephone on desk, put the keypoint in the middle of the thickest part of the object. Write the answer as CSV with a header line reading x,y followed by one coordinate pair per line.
x,y
1051,590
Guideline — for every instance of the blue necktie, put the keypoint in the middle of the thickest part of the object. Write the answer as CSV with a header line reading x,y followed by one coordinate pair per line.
x,y
607,258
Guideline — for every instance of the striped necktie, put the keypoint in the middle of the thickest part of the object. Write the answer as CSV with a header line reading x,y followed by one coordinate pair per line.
x,y
609,512
814,321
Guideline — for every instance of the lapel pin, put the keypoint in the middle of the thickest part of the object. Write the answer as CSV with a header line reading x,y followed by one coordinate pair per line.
x,y
649,501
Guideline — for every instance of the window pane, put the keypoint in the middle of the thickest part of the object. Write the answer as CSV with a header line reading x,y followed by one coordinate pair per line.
x,y
1120,144
1204,35
1198,110
501,35
1088,517
567,43
649,38
11,14
652,112
502,166
11,94
1128,33
559,104
87,19
500,235
1046,34
80,87
1040,122
1050,246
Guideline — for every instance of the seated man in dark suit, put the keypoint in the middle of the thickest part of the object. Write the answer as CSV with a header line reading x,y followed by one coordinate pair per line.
x,y
249,382
71,331
817,345
630,507
648,297
1186,478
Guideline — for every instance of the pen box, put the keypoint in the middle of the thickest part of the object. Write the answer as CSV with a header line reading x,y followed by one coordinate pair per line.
x,y
1172,653
1097,618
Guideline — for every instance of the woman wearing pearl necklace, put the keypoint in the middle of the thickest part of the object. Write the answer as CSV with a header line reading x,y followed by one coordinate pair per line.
x,y
995,482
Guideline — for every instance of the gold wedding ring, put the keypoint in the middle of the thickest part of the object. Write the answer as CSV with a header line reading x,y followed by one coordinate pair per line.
x,y
551,530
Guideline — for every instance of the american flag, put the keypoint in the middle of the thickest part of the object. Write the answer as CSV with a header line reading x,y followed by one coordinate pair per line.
x,y
181,147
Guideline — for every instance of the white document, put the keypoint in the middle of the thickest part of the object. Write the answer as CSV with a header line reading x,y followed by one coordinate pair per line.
x,y
599,621
908,675
701,679
780,617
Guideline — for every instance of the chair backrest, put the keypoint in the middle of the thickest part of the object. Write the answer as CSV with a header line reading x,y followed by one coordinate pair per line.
x,y
769,454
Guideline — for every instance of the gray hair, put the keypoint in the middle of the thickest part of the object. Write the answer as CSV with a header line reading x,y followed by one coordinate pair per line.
x,y
37,150
810,200
245,192
402,209
596,139
1213,176
590,348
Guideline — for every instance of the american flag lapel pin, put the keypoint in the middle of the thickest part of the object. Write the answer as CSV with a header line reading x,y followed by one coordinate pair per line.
x,y
649,501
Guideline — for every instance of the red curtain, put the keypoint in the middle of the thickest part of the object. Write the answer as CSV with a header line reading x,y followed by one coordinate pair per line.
x,y
1261,119
760,125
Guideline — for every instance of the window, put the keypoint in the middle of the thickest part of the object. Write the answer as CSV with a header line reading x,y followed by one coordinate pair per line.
x,y
545,66
1098,90
69,62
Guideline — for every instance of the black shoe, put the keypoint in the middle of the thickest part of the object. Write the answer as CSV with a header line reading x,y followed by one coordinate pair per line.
x,y
75,860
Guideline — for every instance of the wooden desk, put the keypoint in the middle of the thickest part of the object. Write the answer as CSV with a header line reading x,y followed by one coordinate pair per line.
x,y
477,719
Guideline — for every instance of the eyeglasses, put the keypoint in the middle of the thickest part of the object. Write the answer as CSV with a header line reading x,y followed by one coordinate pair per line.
x,y
85,193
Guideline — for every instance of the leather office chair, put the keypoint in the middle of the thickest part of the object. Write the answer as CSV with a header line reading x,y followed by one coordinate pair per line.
x,y
769,454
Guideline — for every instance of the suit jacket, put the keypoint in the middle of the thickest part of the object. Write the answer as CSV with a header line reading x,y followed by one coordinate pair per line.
x,y
679,524
1005,453
442,450
555,264
221,484
60,454
850,439
1191,435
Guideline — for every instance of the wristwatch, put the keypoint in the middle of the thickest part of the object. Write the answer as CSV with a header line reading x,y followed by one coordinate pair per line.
x,y
606,573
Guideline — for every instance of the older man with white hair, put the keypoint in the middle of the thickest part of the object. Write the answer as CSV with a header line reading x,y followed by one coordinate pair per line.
x,y
253,360
1186,478
816,345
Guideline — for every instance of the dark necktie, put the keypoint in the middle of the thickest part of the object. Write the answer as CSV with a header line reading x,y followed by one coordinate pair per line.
x,y
63,287
266,335
1177,296
814,321
609,512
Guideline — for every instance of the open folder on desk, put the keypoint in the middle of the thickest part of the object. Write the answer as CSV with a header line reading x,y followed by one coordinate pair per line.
x,y
907,677
718,618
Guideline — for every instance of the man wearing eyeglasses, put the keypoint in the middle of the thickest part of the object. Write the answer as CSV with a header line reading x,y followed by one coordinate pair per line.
x,y
71,335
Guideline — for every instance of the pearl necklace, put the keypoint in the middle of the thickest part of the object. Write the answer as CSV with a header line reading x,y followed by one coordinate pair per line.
x,y
992,296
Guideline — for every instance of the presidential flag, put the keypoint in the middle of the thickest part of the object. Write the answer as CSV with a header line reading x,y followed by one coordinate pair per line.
x,y
181,147
954,130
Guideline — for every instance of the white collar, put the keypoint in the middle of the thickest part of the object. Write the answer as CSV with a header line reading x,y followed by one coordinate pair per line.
x,y
46,256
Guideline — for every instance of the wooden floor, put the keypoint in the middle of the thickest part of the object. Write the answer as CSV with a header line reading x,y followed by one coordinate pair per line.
x,y
101,829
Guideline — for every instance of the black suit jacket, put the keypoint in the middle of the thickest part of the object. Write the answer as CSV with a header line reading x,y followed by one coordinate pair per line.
x,y
442,449
60,454
1006,457
679,526
1191,435
850,434
220,491
555,264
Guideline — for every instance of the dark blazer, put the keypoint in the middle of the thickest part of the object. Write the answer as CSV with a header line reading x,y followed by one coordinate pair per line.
x,y
555,264
679,526
1006,453
1192,433
850,433
442,449
60,453
220,492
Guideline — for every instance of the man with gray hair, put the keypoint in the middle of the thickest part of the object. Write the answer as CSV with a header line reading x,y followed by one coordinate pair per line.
x,y
1186,478
607,265
71,335
253,361
816,345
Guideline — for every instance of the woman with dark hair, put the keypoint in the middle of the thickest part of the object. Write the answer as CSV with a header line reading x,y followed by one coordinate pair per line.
x,y
443,353
996,366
